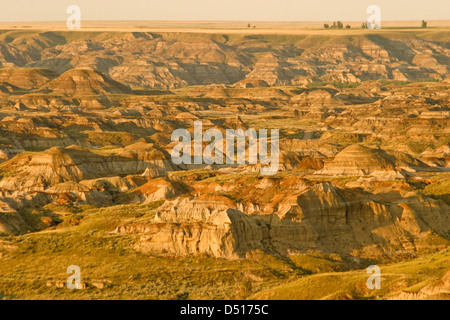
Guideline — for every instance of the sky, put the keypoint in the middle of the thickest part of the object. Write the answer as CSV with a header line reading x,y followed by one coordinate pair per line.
x,y
235,10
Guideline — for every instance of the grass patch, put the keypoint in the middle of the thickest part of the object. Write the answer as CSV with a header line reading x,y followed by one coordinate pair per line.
x,y
395,278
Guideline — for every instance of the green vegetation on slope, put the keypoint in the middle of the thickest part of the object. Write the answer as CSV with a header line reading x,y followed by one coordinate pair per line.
x,y
408,276
33,266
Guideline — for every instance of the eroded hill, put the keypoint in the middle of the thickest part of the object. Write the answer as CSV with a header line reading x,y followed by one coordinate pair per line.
x,y
173,60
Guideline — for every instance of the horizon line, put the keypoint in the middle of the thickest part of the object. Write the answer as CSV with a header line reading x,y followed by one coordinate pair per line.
x,y
162,20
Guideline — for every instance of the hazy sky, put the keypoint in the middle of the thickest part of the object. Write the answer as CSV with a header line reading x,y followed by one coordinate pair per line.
x,y
245,10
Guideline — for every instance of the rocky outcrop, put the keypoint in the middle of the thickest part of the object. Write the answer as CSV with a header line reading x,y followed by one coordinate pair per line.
x,y
359,160
85,82
227,233
26,78
38,171
321,217
155,190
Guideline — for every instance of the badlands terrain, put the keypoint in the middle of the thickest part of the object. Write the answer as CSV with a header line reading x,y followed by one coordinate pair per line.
x,y
86,176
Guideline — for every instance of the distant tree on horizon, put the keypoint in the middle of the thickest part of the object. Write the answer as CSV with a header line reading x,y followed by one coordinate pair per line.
x,y
248,26
424,24
326,25
340,25
347,26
